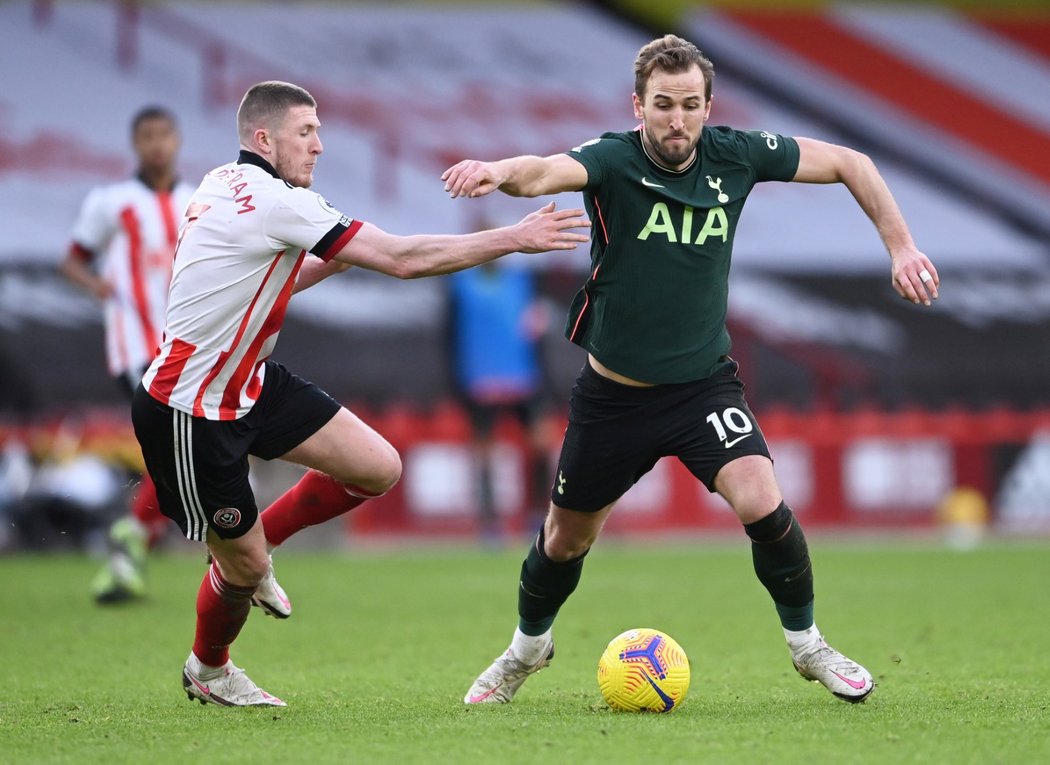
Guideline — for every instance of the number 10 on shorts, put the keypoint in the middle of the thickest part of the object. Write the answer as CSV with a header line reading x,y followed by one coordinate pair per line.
x,y
731,425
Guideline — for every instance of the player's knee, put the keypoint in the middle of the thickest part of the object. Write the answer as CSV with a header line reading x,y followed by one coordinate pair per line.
x,y
755,507
562,545
385,472
245,567
749,485
390,473
257,567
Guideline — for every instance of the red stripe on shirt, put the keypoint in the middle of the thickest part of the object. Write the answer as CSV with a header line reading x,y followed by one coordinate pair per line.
x,y
198,406
601,220
167,214
1031,31
586,302
249,366
170,371
914,90
586,294
136,255
340,243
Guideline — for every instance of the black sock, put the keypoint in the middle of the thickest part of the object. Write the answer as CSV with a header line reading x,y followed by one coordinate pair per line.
x,y
545,584
781,558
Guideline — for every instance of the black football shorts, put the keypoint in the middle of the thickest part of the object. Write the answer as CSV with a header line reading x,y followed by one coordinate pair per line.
x,y
200,466
617,432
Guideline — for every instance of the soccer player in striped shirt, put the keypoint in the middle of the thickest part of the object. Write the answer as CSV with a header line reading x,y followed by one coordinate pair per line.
x,y
123,242
254,234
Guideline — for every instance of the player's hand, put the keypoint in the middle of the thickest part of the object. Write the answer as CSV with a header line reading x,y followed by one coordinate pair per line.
x,y
103,289
471,178
550,229
914,276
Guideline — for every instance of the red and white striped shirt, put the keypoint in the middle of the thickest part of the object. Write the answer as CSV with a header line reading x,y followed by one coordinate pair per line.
x,y
245,237
133,229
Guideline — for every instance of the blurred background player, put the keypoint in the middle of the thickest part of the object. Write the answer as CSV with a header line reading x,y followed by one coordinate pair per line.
x,y
122,247
496,325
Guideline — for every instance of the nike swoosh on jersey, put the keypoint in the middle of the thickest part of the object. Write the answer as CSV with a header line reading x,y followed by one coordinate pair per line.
x,y
736,441
650,184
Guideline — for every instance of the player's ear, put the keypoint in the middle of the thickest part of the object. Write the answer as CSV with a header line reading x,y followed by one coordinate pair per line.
x,y
637,102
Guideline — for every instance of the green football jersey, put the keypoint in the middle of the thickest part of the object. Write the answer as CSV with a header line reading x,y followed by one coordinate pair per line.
x,y
654,306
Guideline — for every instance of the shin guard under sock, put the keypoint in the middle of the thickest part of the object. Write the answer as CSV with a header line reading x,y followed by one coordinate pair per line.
x,y
545,585
316,498
222,609
781,559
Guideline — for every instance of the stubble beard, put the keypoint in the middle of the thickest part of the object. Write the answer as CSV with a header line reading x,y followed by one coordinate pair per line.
x,y
669,158
302,180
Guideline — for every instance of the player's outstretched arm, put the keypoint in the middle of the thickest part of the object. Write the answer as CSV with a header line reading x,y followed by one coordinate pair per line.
x,y
315,271
525,176
410,257
914,276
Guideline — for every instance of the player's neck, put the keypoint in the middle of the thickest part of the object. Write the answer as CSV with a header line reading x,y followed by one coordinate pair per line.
x,y
650,152
158,180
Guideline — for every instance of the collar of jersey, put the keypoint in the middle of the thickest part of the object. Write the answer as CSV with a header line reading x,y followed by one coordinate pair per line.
x,y
251,158
142,179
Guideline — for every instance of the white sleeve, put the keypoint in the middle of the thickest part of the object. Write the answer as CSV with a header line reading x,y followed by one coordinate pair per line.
x,y
306,220
94,225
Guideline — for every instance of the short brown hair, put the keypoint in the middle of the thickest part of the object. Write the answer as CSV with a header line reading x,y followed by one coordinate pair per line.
x,y
670,53
150,113
266,103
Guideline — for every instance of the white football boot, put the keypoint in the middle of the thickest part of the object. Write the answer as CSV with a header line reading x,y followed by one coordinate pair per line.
x,y
271,597
499,683
820,663
232,688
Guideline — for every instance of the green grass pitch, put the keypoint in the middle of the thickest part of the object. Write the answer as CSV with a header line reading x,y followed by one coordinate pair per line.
x,y
383,644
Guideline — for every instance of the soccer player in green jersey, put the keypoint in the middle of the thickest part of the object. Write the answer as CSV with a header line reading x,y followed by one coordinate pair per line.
x,y
664,201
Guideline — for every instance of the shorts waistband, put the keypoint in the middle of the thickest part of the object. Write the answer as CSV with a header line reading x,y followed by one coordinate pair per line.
x,y
591,377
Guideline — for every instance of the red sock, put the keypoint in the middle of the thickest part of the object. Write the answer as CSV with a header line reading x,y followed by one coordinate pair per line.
x,y
146,508
222,609
316,498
